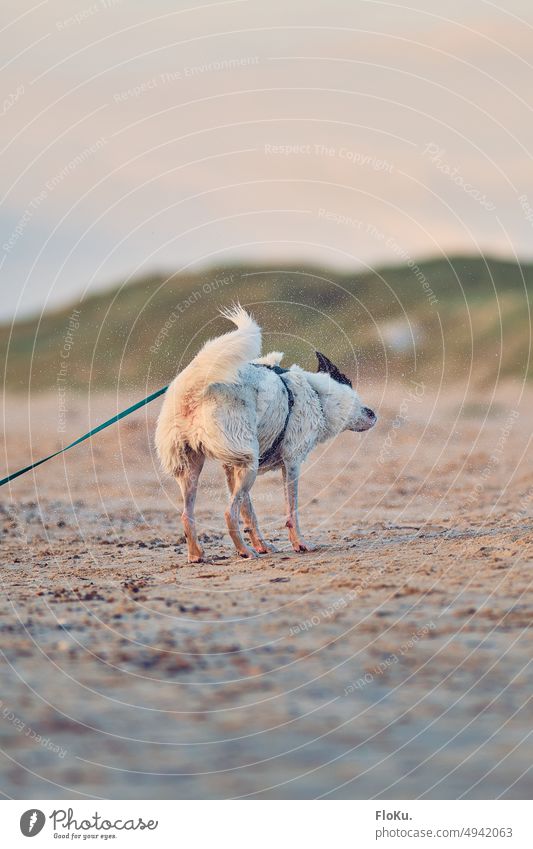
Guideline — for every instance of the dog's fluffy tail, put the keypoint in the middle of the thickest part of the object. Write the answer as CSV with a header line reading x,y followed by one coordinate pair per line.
x,y
272,359
221,358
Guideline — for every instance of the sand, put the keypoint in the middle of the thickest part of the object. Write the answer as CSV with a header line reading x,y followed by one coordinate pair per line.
x,y
393,662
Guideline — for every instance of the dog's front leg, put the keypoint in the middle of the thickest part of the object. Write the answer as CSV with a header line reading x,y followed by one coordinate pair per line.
x,y
290,479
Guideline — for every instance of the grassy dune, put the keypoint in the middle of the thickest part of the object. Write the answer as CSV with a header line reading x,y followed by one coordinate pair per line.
x,y
441,319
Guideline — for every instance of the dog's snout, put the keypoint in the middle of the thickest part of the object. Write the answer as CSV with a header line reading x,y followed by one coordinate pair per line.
x,y
370,414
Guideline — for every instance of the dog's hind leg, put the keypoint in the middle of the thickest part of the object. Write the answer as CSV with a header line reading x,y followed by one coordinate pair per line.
x,y
252,528
251,525
240,480
290,480
188,481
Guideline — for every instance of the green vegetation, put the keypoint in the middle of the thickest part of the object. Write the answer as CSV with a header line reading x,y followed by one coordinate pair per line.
x,y
440,320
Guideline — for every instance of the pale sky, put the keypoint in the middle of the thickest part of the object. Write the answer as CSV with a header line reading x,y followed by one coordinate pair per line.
x,y
140,136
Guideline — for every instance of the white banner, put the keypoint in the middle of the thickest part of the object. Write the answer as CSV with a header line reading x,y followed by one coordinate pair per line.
x,y
267,824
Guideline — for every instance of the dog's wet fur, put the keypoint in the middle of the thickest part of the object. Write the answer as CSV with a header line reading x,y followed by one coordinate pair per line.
x,y
224,407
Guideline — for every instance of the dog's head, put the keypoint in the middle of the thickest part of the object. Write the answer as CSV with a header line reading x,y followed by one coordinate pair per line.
x,y
356,416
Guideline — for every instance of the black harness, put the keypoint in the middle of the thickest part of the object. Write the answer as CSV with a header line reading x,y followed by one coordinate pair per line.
x,y
271,452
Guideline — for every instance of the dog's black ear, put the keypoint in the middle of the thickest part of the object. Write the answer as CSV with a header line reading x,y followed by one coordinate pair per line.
x,y
324,364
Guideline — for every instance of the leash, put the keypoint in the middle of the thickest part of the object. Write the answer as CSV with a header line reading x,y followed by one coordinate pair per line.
x,y
88,435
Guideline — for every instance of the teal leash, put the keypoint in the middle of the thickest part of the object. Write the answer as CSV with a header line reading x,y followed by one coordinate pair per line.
x,y
92,432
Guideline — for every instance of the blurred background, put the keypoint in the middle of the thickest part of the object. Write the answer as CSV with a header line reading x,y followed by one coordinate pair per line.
x,y
359,173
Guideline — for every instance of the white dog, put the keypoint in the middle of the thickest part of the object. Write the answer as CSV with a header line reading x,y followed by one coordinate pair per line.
x,y
234,406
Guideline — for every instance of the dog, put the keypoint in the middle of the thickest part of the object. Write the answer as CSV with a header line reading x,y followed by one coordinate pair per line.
x,y
253,416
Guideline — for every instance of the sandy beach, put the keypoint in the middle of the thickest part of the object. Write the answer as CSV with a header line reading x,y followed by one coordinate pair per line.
x,y
392,662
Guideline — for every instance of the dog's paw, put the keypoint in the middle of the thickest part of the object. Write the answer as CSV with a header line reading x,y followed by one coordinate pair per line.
x,y
266,548
248,553
196,555
302,546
